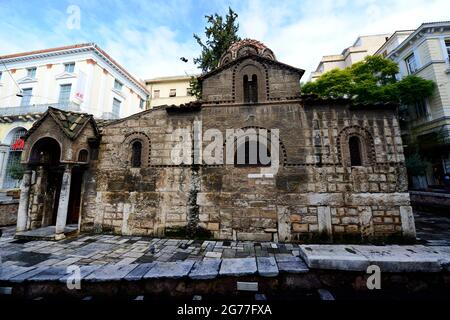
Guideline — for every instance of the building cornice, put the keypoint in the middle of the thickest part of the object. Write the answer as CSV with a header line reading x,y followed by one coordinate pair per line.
x,y
76,49
420,32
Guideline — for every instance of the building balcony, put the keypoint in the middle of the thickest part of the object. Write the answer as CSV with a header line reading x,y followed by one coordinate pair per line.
x,y
33,112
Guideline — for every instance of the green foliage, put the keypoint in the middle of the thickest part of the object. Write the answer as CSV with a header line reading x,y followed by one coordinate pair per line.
x,y
221,33
16,171
416,165
369,81
411,88
335,83
195,87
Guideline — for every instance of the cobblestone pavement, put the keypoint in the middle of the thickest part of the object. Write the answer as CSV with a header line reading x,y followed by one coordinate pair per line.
x,y
87,249
432,229
122,250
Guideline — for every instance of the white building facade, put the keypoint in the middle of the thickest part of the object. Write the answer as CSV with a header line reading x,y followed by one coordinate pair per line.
x,y
425,53
79,78
169,91
362,47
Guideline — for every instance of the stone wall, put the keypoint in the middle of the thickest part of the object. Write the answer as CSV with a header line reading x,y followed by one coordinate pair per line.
x,y
315,195
8,212
274,83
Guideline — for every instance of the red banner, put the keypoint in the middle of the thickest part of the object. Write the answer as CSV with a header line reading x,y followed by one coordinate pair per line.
x,y
18,144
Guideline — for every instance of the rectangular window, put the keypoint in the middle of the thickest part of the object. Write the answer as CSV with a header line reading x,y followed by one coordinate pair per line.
x,y
64,93
31,73
411,64
142,104
117,85
447,46
1,75
156,94
421,109
69,67
26,97
116,108
173,93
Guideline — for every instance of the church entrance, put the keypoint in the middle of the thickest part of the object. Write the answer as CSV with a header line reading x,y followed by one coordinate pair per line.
x,y
73,212
54,178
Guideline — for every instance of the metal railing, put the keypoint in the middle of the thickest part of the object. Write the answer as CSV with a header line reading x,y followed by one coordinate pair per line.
x,y
37,108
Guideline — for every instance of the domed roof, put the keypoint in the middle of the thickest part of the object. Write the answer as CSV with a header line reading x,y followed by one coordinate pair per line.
x,y
246,47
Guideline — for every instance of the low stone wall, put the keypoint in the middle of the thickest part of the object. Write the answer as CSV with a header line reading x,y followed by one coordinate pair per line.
x,y
8,212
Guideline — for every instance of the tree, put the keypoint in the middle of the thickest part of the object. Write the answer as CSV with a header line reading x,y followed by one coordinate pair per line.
x,y
369,81
16,171
416,165
412,88
195,87
335,83
221,34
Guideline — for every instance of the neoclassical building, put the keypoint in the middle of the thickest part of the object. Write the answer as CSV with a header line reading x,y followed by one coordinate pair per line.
x,y
332,170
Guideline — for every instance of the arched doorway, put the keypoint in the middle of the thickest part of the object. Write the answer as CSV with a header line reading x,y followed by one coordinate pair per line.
x,y
45,157
13,168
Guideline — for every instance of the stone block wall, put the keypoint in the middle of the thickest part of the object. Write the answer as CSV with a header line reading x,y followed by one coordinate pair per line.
x,y
8,212
315,195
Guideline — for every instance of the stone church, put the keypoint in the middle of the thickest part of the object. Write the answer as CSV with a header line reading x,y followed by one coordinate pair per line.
x,y
341,173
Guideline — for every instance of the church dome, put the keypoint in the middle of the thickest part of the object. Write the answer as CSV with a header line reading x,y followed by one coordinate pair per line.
x,y
245,47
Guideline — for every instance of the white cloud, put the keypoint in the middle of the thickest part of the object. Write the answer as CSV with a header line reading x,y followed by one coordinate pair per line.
x,y
300,33
149,38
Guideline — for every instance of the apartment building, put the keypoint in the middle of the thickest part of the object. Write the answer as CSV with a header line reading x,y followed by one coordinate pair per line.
x,y
169,91
425,53
80,78
362,47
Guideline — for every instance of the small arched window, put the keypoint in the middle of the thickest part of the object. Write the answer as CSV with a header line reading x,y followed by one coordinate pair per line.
x,y
83,156
136,154
250,89
354,144
254,89
246,90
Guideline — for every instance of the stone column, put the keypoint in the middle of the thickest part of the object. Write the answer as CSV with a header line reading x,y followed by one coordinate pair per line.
x,y
4,149
407,219
22,212
324,223
63,204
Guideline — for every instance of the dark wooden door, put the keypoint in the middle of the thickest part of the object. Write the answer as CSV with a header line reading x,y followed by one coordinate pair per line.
x,y
75,196
54,190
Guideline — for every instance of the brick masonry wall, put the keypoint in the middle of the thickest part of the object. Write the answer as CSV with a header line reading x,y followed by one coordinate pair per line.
x,y
315,195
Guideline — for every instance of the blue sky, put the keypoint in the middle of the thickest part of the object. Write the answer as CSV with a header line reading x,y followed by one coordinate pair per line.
x,y
148,37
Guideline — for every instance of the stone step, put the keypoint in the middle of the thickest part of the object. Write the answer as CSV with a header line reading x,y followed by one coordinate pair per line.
x,y
392,258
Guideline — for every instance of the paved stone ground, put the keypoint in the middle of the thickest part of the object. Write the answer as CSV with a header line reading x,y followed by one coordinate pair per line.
x,y
109,257
103,249
432,229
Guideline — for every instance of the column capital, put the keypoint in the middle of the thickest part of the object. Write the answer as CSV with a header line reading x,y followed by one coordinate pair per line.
x,y
4,147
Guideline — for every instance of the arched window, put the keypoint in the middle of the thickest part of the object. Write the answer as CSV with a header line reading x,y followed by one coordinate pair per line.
x,y
252,153
254,89
16,144
246,90
354,144
136,153
250,89
83,156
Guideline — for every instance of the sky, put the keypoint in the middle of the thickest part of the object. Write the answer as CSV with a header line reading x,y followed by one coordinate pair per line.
x,y
148,37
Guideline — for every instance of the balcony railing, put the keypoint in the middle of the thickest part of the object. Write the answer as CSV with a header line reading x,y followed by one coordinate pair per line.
x,y
37,108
